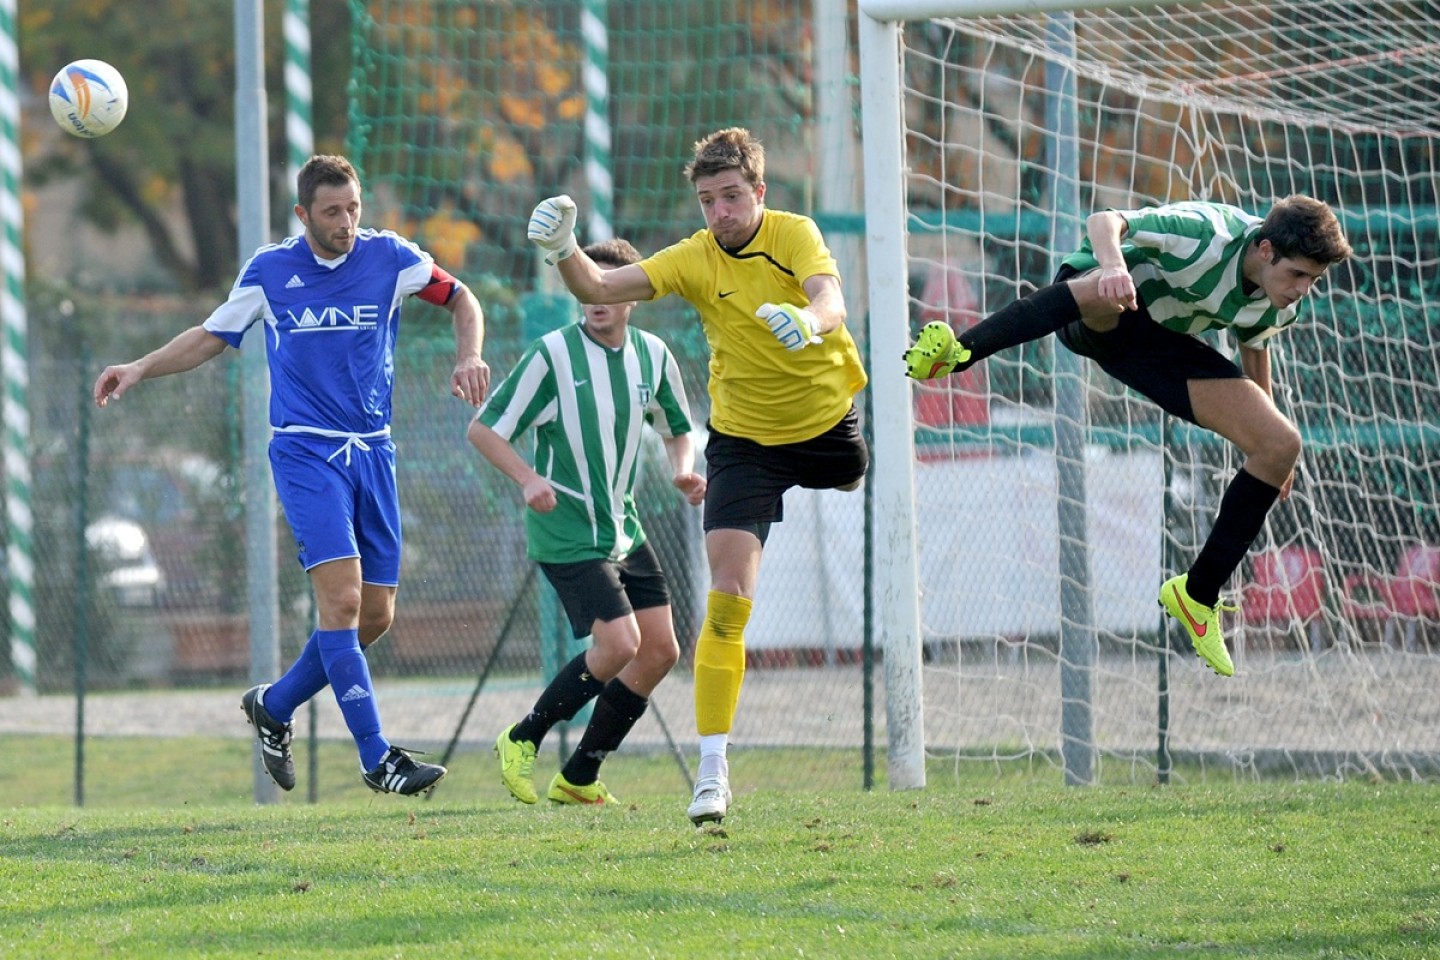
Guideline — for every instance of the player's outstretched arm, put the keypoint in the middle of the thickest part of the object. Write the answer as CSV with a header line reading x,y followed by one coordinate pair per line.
x,y
552,229
186,351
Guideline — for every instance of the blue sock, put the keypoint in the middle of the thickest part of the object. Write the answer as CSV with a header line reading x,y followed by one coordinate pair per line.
x,y
305,678
349,677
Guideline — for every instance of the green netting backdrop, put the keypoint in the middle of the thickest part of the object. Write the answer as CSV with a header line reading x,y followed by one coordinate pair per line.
x,y
462,116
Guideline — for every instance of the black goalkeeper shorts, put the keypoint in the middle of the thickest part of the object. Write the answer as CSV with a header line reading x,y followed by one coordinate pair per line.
x,y
746,481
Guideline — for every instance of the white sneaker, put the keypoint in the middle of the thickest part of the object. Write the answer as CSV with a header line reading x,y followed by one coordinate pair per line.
x,y
712,799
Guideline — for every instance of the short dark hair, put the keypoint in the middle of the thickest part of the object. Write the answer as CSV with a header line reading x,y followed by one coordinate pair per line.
x,y
613,253
323,170
1301,226
730,149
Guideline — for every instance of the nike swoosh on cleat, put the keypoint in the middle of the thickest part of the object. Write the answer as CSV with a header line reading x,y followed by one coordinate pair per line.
x,y
1199,628
581,797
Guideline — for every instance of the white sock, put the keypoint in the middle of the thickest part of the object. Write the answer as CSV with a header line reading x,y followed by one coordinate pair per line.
x,y
712,755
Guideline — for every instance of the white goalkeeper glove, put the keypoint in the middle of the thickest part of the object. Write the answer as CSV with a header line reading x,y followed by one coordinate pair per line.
x,y
795,327
552,227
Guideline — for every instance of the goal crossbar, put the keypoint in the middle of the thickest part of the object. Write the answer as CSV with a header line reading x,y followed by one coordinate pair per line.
x,y
897,10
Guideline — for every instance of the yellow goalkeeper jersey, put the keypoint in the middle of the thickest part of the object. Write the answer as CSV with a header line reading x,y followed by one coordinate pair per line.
x,y
758,389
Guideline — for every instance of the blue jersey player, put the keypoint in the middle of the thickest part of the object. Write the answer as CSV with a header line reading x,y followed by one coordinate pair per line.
x,y
329,301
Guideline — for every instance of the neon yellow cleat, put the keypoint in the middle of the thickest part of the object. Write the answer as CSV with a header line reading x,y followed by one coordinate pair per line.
x,y
517,766
935,354
592,794
1202,623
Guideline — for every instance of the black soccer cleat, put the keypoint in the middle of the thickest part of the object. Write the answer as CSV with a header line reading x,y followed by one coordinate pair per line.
x,y
398,773
274,737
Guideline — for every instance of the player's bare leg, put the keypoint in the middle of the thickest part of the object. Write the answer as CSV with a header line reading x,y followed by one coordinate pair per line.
x,y
1240,411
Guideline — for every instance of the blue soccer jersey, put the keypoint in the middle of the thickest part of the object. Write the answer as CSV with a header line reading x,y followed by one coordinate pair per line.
x,y
331,327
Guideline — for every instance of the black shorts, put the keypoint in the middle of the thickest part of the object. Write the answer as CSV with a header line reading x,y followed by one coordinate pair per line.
x,y
1151,360
746,481
606,590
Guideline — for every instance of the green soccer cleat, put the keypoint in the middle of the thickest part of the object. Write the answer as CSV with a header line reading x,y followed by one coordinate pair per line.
x,y
591,794
517,766
1202,623
935,354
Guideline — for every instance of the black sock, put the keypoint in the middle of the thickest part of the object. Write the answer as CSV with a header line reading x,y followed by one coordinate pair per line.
x,y
1242,516
572,688
1029,318
615,713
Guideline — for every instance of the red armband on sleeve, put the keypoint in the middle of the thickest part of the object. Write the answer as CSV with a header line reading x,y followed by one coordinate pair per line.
x,y
441,287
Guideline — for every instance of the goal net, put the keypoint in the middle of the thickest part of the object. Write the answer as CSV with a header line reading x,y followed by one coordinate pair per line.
x,y
1038,563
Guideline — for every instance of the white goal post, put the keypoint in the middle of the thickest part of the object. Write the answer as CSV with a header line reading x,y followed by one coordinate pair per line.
x,y
1025,516
897,586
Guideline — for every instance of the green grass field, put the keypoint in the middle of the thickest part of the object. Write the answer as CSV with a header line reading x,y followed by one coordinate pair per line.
x,y
178,863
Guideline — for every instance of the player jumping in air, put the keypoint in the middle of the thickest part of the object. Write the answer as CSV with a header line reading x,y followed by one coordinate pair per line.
x,y
1132,298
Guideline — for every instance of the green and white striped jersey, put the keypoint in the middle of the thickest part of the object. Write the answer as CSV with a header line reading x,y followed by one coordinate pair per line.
x,y
587,403
1186,259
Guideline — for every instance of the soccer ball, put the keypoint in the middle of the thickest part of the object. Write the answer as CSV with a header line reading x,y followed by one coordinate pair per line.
x,y
88,98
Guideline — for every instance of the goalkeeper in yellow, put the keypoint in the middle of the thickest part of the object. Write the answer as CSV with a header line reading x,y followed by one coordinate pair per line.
x,y
784,372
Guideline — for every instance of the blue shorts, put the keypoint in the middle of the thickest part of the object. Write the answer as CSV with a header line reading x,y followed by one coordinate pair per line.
x,y
338,509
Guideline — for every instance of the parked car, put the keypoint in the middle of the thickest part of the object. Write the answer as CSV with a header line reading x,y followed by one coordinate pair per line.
x,y
124,563
192,520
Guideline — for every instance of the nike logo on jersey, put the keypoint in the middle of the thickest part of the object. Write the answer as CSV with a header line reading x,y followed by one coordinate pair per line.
x,y
294,282
580,383
356,692
726,293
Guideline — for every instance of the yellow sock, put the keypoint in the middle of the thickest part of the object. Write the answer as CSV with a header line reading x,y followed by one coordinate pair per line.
x,y
720,662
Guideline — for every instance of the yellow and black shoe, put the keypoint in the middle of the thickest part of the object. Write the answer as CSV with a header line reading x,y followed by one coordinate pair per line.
x,y
590,794
1202,623
517,766
935,354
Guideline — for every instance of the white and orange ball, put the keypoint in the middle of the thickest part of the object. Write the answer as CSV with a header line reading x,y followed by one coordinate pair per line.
x,y
88,98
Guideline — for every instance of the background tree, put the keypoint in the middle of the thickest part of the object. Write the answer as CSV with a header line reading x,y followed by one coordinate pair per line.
x,y
170,169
